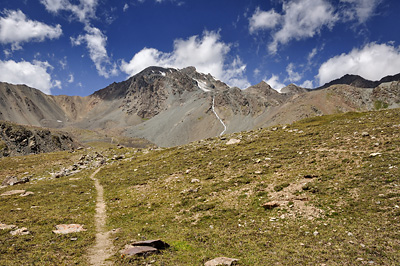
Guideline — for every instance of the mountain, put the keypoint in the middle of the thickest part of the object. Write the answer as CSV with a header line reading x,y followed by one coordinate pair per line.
x,y
360,82
171,107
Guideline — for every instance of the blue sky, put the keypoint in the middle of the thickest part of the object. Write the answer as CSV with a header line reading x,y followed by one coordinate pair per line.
x,y
76,47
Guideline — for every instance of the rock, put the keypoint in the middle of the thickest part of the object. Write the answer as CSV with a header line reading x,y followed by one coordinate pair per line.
x,y
12,192
233,141
221,261
7,227
13,180
310,176
68,228
270,205
27,193
158,244
138,250
20,232
365,134
375,154
195,180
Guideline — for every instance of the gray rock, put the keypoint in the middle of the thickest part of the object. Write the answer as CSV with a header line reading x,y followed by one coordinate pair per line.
x,y
138,250
20,232
68,228
221,261
158,244
270,205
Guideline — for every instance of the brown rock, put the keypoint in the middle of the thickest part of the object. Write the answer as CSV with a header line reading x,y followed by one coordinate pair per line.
x,y
270,205
221,261
138,250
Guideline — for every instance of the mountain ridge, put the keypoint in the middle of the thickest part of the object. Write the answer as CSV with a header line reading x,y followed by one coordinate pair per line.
x,y
171,107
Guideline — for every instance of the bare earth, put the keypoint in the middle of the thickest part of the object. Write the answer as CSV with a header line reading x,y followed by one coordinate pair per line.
x,y
103,248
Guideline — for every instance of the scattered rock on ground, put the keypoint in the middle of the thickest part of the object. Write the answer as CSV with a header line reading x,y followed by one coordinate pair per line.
x,y
13,180
27,193
144,247
375,154
233,141
20,232
139,250
13,192
270,205
7,227
221,261
310,176
68,228
158,244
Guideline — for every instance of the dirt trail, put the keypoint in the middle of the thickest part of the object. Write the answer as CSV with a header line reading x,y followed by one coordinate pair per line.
x,y
103,248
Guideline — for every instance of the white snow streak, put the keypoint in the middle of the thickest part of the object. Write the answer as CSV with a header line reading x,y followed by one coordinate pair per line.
x,y
220,120
202,86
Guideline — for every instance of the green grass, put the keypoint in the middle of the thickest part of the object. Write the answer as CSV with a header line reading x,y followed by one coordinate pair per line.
x,y
205,198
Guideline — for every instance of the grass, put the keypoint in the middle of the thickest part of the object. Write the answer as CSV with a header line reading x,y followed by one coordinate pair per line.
x,y
205,198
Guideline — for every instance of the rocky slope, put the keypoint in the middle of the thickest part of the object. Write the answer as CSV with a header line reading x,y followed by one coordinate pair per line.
x,y
21,140
172,107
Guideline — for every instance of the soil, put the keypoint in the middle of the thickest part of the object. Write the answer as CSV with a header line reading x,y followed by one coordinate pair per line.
x,y
103,248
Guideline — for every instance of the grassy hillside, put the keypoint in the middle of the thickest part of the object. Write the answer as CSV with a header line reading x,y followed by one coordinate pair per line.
x,y
335,180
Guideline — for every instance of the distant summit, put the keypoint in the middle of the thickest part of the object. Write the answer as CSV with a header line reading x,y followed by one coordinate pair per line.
x,y
360,82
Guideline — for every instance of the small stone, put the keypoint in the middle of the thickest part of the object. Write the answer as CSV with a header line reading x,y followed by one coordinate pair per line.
x,y
27,193
12,192
138,250
374,154
158,244
233,141
74,238
20,232
194,180
315,233
270,205
221,261
365,134
68,228
7,227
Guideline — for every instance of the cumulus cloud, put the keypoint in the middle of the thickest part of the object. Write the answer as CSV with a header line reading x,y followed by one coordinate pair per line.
x,y
293,75
300,19
275,83
373,61
33,74
16,28
126,6
263,20
307,84
85,10
207,53
96,44
361,10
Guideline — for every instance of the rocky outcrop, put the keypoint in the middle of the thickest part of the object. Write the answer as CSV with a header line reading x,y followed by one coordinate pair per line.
x,y
21,140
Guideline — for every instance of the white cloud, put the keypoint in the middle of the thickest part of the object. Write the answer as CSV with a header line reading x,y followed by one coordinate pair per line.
x,y
293,75
307,84
96,43
207,53
300,19
361,10
32,74
71,78
85,10
373,61
312,54
263,20
126,6
275,83
16,28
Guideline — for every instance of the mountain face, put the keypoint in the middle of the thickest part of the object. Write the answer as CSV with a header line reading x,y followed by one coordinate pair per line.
x,y
172,107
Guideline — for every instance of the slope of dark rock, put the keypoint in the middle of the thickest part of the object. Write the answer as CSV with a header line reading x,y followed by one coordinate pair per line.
x,y
21,140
